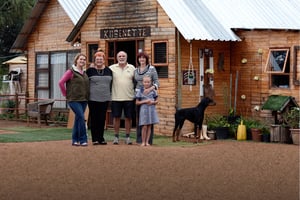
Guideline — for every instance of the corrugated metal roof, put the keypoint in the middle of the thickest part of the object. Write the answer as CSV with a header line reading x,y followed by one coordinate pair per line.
x,y
195,21
74,9
257,14
215,19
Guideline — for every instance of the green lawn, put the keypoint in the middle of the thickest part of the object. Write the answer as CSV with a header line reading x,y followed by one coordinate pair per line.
x,y
28,134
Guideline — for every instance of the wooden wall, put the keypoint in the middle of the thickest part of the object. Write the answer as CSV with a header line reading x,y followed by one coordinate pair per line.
x,y
257,92
49,35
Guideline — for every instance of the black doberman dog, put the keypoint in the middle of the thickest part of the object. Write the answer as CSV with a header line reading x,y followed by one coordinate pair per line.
x,y
194,115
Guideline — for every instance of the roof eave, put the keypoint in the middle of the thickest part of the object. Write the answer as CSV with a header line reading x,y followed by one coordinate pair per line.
x,y
72,36
22,38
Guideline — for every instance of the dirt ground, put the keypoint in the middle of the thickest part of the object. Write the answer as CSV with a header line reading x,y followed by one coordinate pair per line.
x,y
218,170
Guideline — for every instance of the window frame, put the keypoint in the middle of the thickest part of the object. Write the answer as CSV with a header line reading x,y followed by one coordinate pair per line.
x,y
295,80
166,53
47,89
277,78
42,70
91,51
268,64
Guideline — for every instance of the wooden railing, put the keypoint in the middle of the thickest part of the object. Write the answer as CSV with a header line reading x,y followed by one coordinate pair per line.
x,y
15,106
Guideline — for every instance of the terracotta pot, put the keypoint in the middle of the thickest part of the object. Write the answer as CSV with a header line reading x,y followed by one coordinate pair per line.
x,y
256,134
295,135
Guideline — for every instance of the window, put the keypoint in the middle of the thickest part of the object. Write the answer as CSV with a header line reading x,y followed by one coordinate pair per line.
x,y
92,48
278,66
160,58
50,67
296,66
159,53
42,76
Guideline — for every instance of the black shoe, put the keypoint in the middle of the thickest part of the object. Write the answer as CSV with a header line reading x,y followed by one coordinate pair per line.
x,y
103,142
96,143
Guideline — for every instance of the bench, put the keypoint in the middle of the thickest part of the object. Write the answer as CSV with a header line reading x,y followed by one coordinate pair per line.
x,y
40,110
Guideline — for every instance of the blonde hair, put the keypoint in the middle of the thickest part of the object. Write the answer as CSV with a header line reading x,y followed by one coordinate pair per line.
x,y
77,57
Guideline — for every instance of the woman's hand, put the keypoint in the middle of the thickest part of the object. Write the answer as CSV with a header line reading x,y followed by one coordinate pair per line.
x,y
148,90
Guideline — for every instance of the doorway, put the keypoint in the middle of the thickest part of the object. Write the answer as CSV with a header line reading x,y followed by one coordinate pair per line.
x,y
130,48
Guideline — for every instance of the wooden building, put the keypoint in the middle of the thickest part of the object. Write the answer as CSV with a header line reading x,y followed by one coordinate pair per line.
x,y
254,52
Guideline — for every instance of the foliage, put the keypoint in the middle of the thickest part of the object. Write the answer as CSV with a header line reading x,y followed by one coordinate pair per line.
x,y
215,121
292,117
60,117
256,123
9,104
12,18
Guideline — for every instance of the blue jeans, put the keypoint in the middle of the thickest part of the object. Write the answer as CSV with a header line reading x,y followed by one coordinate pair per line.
x,y
79,132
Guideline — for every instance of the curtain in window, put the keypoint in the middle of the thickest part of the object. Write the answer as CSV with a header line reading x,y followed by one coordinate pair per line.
x,y
42,76
58,68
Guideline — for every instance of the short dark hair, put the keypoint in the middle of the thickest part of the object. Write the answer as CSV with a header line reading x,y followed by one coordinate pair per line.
x,y
142,54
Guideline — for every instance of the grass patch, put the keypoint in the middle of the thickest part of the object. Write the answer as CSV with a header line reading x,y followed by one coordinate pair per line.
x,y
29,134
25,134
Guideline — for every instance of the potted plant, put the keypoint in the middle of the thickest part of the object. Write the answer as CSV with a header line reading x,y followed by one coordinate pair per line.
x,y
256,129
291,118
219,124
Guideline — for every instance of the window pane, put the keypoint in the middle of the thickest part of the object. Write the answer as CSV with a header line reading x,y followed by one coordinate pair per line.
x,y
280,81
277,59
160,52
140,45
92,48
162,71
43,94
42,79
58,68
42,61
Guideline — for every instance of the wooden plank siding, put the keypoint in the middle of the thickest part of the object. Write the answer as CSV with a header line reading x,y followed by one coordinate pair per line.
x,y
258,91
49,35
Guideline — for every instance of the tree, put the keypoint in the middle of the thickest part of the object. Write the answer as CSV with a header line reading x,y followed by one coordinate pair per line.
x,y
13,14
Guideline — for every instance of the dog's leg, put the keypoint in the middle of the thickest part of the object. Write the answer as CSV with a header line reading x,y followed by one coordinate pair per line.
x,y
174,133
196,132
178,134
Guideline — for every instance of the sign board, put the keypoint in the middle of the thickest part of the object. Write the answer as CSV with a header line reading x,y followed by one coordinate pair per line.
x,y
125,32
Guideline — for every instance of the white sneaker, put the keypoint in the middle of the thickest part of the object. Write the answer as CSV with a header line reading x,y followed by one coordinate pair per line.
x,y
116,140
127,141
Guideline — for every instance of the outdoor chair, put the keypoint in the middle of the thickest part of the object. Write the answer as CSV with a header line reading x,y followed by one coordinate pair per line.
x,y
40,110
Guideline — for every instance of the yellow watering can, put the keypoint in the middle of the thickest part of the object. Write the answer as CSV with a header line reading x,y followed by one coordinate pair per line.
x,y
241,132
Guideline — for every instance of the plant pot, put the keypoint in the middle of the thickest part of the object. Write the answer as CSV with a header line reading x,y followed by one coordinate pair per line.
x,y
256,134
266,138
249,134
295,135
211,135
221,133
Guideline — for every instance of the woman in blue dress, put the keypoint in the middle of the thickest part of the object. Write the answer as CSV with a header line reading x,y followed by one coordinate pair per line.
x,y
148,115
